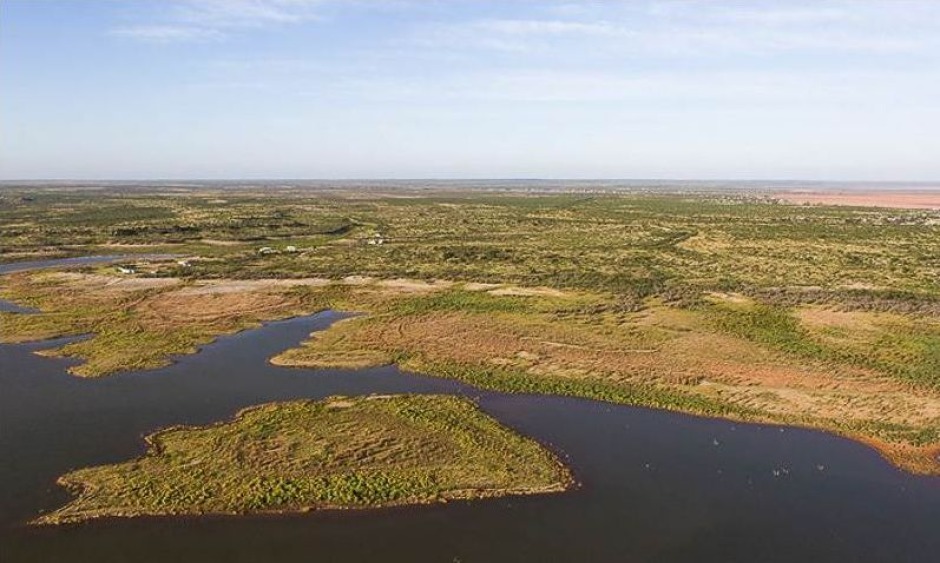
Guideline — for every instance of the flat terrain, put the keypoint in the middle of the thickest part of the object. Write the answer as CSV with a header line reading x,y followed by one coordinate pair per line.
x,y
337,453
899,200
720,304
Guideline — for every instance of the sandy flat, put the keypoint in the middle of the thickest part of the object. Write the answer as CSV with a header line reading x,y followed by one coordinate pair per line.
x,y
474,286
114,283
414,286
238,286
899,200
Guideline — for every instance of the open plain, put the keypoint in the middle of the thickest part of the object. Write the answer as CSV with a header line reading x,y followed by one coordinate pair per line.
x,y
720,304
159,365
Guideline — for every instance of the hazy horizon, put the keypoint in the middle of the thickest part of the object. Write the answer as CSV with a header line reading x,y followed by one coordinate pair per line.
x,y
656,90
613,183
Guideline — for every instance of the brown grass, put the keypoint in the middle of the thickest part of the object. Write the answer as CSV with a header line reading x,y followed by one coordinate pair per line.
x,y
137,322
661,347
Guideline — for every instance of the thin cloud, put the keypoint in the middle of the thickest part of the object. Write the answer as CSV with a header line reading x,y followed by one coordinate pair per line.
x,y
229,14
656,88
784,16
546,27
167,33
691,29
511,35
205,20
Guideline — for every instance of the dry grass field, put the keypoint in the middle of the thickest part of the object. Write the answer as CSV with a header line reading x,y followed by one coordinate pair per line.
x,y
693,360
718,304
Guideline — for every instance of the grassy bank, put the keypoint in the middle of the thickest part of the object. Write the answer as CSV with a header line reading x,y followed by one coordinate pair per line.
x,y
729,357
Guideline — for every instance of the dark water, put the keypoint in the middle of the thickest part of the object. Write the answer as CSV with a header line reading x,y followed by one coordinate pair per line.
x,y
656,486
12,267
9,307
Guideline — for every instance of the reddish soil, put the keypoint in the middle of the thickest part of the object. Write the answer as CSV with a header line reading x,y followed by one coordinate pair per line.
x,y
900,200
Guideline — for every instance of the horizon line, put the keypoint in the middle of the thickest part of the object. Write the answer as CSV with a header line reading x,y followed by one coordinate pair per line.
x,y
462,179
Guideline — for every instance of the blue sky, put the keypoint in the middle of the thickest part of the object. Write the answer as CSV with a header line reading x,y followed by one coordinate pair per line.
x,y
840,90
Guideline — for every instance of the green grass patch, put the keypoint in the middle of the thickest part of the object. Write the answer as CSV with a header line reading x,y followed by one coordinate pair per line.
x,y
462,301
336,453
771,326
509,380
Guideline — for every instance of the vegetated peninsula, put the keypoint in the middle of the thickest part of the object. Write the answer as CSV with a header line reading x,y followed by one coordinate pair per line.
x,y
138,323
727,356
718,303
342,452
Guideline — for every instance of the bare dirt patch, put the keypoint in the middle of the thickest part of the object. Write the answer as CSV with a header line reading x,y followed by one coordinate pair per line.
x,y
528,292
736,298
95,282
132,246
414,286
242,286
180,307
475,286
820,319
217,242
890,199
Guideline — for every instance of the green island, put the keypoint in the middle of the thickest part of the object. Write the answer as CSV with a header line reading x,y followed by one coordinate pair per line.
x,y
341,452
720,303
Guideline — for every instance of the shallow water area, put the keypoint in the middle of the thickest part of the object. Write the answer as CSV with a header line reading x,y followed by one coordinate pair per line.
x,y
655,486
23,266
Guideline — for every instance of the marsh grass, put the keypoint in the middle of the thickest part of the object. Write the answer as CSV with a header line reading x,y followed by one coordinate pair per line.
x,y
341,452
142,329
509,380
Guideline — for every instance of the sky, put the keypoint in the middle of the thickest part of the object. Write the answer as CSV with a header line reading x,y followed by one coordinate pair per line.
x,y
668,89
